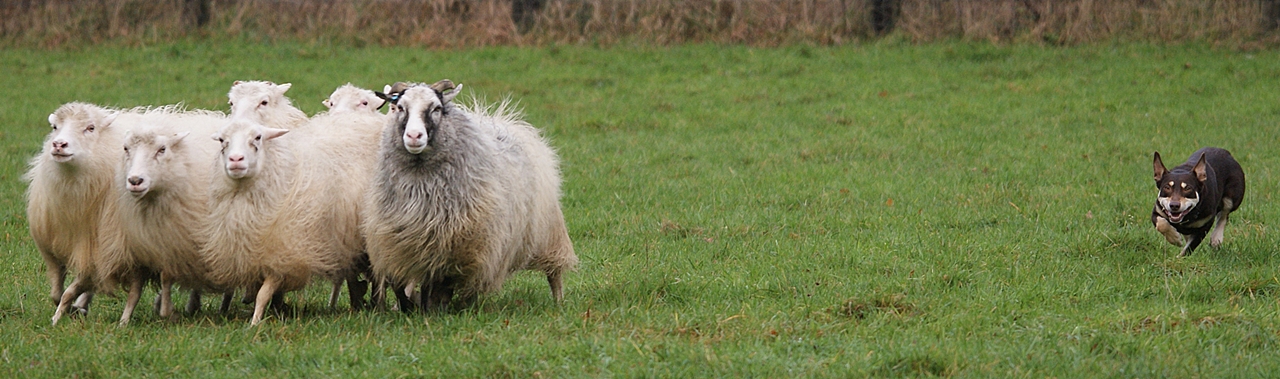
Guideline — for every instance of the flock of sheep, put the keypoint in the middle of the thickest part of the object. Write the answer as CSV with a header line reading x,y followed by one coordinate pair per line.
x,y
440,202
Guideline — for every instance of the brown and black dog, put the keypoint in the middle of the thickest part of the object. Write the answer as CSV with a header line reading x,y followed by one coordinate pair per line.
x,y
1209,185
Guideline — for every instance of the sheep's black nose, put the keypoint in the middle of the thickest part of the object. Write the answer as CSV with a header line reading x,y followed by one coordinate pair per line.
x,y
135,180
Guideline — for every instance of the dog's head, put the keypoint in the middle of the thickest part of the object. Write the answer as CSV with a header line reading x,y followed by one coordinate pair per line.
x,y
1179,189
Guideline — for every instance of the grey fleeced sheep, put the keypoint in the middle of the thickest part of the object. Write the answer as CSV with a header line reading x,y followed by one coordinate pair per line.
x,y
462,199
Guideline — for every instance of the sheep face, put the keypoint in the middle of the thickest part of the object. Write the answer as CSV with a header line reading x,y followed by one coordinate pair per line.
x,y
418,114
242,145
252,99
349,98
76,126
145,157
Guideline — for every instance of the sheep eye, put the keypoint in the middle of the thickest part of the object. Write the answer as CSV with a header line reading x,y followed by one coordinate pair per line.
x,y
264,103
161,151
258,138
126,149
89,129
365,103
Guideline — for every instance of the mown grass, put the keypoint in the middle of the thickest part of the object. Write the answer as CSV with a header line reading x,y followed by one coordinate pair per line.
x,y
892,210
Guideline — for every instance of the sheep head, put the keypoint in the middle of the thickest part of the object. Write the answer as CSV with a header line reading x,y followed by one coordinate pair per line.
x,y
391,93
418,112
76,126
243,142
349,98
146,154
252,99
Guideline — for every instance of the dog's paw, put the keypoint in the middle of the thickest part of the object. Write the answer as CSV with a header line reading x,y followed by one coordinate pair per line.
x,y
1215,240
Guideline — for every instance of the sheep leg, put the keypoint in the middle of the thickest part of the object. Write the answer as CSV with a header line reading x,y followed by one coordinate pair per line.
x,y
193,303
413,293
356,289
250,293
81,305
556,280
166,296
68,295
439,293
227,297
378,298
403,301
57,273
265,293
278,305
333,295
135,293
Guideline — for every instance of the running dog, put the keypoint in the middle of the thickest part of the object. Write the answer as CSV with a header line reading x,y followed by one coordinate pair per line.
x,y
1196,196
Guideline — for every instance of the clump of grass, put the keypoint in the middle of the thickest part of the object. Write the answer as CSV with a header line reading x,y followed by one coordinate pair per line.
x,y
892,304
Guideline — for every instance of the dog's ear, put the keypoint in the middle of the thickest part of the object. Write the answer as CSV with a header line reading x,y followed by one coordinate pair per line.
x,y
1159,166
1201,169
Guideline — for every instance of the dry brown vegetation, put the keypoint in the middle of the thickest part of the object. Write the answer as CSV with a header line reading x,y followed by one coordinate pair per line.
x,y
454,23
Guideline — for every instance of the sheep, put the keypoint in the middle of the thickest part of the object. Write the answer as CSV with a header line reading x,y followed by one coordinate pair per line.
x,y
286,205
349,98
462,199
67,195
163,197
264,103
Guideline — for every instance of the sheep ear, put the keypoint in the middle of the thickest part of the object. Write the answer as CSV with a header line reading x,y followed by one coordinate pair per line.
x,y
106,121
238,82
53,119
272,133
285,87
448,96
178,137
383,104
327,103
386,88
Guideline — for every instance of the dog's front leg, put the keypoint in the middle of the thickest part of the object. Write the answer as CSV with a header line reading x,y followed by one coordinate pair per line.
x,y
1193,241
1170,233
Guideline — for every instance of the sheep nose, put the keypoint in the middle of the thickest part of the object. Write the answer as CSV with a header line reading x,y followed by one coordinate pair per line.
x,y
60,145
413,135
236,158
135,180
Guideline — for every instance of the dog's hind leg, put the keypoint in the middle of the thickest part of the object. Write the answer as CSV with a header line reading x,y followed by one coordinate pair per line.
x,y
1170,234
1219,227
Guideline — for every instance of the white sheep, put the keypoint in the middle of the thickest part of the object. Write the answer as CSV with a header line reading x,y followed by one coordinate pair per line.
x,y
163,199
286,205
349,98
462,199
264,103
69,191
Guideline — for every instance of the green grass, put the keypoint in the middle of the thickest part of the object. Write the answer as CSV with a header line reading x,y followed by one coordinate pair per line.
x,y
890,210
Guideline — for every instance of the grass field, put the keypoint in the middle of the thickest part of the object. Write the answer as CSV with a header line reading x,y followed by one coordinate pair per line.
x,y
952,209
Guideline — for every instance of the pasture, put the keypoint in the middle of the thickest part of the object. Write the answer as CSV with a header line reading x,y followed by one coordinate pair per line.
x,y
951,209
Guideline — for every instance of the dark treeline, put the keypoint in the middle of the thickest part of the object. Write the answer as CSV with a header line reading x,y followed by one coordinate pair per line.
x,y
455,23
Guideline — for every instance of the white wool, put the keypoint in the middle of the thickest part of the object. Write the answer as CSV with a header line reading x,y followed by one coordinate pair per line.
x,y
287,206
264,103
349,98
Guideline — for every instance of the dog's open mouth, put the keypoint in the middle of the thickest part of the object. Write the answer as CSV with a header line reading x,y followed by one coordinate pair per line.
x,y
1176,216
